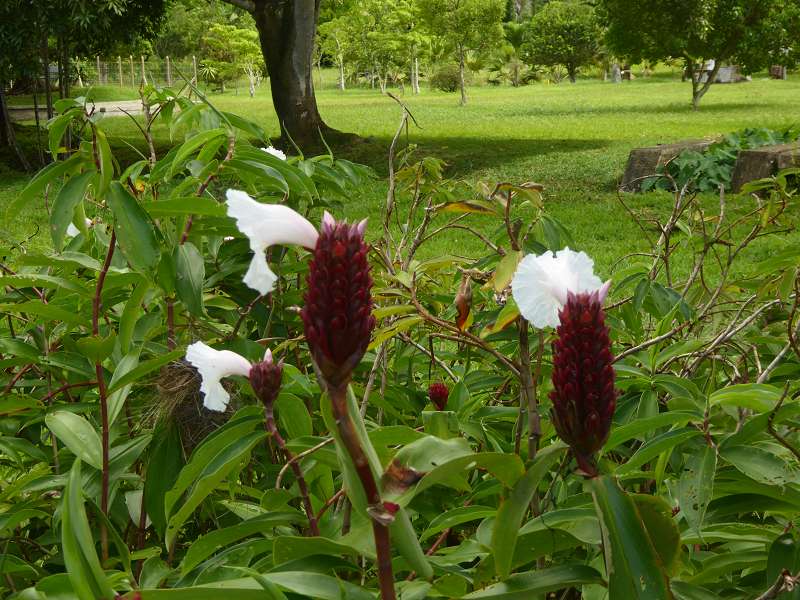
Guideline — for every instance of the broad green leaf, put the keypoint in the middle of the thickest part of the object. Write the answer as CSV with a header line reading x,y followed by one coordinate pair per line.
x,y
106,162
759,397
189,205
513,509
293,416
656,446
696,487
190,273
634,567
221,465
525,586
456,516
116,400
135,234
145,368
208,544
191,145
166,454
783,554
44,177
657,517
505,270
761,465
620,435
718,565
288,548
130,315
78,435
69,196
80,557
48,312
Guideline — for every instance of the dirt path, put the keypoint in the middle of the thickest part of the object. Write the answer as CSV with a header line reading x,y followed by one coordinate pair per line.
x,y
112,109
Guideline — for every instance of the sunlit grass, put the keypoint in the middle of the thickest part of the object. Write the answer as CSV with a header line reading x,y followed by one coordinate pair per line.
x,y
574,139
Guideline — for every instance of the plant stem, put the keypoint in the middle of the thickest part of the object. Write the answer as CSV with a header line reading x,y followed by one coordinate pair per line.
x,y
349,437
272,429
102,392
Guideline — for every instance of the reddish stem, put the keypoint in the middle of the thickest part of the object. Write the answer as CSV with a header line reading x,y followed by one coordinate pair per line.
x,y
347,433
102,391
272,428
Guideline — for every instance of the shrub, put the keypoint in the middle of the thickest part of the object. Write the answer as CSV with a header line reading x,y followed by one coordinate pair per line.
x,y
446,78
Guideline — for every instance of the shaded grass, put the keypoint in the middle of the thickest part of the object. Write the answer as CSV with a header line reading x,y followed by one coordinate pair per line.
x,y
573,138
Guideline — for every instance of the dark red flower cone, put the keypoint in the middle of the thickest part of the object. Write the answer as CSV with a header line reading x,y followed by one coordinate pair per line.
x,y
338,305
583,393
438,394
265,378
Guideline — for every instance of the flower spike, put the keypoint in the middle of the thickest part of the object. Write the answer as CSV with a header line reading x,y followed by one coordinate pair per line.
x,y
338,306
542,283
266,225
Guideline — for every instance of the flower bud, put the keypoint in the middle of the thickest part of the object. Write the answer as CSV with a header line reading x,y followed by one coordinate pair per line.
x,y
265,378
463,303
583,393
338,305
438,393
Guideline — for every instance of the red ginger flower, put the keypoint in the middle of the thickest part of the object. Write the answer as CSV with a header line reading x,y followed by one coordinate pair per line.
x,y
338,306
438,394
265,378
583,393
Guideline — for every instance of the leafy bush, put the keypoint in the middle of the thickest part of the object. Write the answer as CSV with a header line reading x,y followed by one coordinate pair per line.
x,y
423,445
446,78
709,170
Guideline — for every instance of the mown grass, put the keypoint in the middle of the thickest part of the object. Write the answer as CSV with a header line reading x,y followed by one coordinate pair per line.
x,y
573,138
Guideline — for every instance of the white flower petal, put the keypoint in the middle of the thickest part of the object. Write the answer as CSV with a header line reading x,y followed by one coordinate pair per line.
x,y
274,152
72,231
541,284
266,225
213,366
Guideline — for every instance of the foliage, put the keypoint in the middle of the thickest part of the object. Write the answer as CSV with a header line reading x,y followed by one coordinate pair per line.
x,y
446,78
563,33
752,35
100,416
229,50
464,26
712,169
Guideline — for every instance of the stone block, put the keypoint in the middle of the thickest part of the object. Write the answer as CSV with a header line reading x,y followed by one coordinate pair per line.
x,y
764,162
643,162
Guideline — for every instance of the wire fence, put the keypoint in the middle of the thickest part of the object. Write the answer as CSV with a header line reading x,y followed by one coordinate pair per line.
x,y
134,70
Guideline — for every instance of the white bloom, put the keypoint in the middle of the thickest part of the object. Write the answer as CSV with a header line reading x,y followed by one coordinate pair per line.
x,y
72,231
275,152
213,366
541,284
266,225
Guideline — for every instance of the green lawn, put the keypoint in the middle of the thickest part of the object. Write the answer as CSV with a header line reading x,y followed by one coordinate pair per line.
x,y
573,138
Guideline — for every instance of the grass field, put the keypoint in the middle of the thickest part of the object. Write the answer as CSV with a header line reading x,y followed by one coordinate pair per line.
x,y
573,138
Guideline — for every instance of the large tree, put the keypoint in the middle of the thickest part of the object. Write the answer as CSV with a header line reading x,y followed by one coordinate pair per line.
x,y
750,33
465,25
287,31
563,33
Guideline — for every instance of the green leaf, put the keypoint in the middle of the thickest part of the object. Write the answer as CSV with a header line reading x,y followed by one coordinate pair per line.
x,y
106,162
145,368
116,400
70,195
660,525
80,558
288,548
191,145
505,270
525,586
634,567
759,464
759,397
659,444
456,516
783,554
224,463
513,509
130,315
78,435
190,275
696,487
293,416
620,435
135,234
208,544
49,312
96,348
191,205
44,177
166,454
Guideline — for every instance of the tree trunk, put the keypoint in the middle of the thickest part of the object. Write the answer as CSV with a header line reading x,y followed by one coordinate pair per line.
x,y
572,72
699,88
48,91
416,75
341,73
287,32
461,83
7,136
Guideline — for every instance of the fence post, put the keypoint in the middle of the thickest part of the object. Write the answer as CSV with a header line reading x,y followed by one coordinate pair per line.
x,y
169,73
194,70
119,68
97,62
144,77
133,77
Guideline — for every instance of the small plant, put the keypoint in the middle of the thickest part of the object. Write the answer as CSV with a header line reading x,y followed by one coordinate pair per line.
x,y
446,78
712,169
